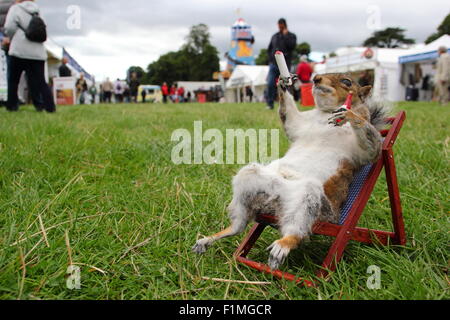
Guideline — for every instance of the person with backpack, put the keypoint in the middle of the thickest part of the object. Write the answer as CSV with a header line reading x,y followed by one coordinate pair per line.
x,y
118,91
27,32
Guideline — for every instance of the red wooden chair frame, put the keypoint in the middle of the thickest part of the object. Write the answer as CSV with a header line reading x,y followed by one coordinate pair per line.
x,y
349,230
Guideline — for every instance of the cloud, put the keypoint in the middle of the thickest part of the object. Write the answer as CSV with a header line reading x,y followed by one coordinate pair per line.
x,y
116,33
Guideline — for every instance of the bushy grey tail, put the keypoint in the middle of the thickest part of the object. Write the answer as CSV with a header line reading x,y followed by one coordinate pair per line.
x,y
379,112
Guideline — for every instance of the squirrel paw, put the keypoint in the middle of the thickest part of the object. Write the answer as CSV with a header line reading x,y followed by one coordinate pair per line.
x,y
285,84
339,117
278,255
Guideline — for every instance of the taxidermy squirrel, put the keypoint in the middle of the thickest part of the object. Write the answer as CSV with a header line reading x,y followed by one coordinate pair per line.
x,y
329,145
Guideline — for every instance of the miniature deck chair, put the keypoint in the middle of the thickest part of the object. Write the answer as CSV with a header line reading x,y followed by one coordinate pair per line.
x,y
359,193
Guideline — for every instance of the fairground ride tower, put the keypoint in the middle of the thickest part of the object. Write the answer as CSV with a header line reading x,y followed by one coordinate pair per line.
x,y
242,40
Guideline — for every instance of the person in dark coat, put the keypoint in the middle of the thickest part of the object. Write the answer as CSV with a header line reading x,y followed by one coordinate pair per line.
x,y
144,95
249,93
64,70
134,87
285,42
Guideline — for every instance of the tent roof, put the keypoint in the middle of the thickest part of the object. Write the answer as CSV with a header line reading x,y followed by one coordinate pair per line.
x,y
427,52
344,51
54,50
248,75
390,55
355,60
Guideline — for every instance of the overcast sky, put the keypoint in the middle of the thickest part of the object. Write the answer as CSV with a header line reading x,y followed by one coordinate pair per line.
x,y
115,34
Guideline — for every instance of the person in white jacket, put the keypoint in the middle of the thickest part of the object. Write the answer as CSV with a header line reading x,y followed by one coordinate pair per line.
x,y
443,75
28,56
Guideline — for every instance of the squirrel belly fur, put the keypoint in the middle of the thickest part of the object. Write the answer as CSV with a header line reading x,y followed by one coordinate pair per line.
x,y
328,146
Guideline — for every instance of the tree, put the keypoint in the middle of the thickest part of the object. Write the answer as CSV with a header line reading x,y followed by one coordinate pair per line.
x,y
263,58
388,38
202,57
444,28
169,68
198,39
197,60
141,74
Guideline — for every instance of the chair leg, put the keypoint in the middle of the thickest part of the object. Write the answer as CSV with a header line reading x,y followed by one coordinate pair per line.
x,y
335,253
244,249
394,196
248,243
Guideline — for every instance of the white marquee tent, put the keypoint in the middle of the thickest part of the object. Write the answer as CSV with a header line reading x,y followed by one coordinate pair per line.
x,y
417,69
243,76
427,52
384,64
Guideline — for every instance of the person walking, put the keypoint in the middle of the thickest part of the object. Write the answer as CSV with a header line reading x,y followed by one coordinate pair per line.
x,y
126,93
118,91
173,93
304,73
26,55
443,75
304,70
134,87
285,42
82,87
144,95
93,93
101,95
180,93
249,93
189,96
108,88
165,92
64,70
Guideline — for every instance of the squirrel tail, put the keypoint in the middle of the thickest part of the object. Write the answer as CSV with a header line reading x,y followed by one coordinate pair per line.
x,y
379,112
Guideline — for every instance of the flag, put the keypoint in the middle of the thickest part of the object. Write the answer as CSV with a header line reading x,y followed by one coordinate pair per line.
x,y
74,64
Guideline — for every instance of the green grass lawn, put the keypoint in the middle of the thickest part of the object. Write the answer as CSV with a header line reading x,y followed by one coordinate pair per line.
x,y
99,180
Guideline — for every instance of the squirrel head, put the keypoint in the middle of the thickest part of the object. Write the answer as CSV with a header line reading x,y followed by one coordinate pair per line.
x,y
331,91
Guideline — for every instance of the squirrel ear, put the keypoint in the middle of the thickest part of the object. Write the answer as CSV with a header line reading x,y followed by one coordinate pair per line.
x,y
364,92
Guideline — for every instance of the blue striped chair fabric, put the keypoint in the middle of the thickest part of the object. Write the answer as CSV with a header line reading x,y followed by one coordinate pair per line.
x,y
353,192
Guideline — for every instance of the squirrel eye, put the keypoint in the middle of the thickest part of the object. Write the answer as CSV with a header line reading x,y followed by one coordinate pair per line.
x,y
347,82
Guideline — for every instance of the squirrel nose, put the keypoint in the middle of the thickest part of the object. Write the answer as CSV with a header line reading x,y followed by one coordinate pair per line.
x,y
317,80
